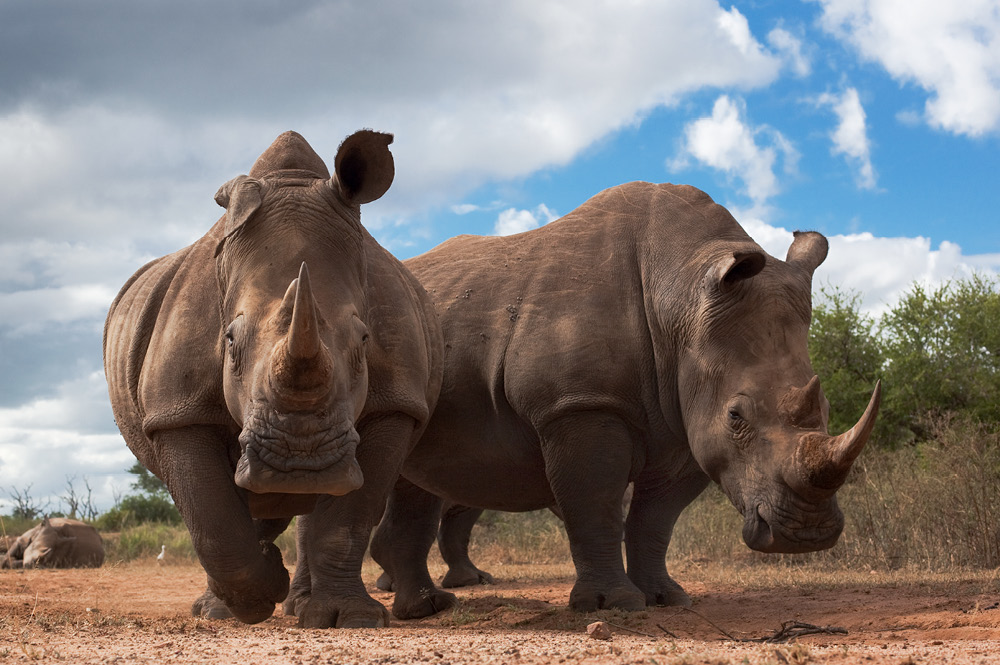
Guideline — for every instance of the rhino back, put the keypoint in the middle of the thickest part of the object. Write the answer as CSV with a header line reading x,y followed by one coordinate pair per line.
x,y
86,550
548,321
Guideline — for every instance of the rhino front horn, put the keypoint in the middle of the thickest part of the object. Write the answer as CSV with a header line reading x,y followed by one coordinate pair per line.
x,y
826,460
303,334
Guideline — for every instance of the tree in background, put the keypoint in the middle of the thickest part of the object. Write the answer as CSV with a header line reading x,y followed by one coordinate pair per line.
x,y
937,351
943,348
145,481
151,503
846,355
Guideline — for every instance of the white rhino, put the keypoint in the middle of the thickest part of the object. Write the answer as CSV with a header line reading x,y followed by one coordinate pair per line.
x,y
58,542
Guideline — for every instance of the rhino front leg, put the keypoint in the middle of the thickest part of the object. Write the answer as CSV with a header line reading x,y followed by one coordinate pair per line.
x,y
400,546
656,504
210,606
336,535
453,542
245,572
587,460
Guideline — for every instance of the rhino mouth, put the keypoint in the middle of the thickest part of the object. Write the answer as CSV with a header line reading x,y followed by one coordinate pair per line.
x,y
298,455
767,529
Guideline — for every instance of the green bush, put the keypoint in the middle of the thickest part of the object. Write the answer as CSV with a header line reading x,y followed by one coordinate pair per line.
x,y
144,541
937,352
139,509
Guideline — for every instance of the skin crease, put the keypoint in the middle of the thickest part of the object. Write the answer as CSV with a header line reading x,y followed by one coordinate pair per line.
x,y
642,338
304,361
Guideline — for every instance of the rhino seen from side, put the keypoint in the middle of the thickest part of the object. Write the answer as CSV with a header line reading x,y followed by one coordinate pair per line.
x,y
643,338
282,365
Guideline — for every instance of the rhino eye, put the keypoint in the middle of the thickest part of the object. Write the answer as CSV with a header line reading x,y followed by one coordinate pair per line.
x,y
233,332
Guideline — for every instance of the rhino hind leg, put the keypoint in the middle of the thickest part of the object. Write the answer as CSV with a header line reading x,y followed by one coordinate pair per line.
x,y
655,507
401,544
298,592
587,460
453,542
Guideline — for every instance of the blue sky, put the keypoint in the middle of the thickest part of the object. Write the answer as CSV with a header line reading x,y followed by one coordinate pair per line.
x,y
876,122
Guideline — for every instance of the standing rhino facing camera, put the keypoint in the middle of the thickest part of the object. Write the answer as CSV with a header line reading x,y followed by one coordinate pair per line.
x,y
283,364
644,338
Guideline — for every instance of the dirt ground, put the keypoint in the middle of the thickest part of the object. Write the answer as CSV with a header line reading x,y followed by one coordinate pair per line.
x,y
139,613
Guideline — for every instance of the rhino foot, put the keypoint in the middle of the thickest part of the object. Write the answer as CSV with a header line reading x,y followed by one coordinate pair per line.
x,y
384,582
466,576
589,597
340,612
669,593
424,604
210,606
296,601
254,599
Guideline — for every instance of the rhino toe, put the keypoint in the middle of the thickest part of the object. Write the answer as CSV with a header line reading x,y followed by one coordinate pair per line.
x,y
209,606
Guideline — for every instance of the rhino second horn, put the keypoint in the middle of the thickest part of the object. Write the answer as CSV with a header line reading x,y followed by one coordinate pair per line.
x,y
303,334
803,407
826,460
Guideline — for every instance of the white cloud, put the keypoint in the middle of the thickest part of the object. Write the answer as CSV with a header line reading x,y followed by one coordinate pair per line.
x,y
790,48
850,138
880,269
513,221
68,434
464,208
950,49
726,142
509,106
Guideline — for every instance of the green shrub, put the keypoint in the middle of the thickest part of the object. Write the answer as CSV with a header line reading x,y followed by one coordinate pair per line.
x,y
15,526
139,509
144,541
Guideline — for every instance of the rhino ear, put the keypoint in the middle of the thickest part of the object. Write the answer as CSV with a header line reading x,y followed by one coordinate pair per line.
x,y
241,198
363,168
733,268
808,250
742,265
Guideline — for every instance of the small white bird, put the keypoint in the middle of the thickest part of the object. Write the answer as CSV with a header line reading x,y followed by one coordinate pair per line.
x,y
162,555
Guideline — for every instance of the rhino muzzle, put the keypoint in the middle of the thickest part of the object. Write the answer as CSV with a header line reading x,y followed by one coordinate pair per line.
x,y
767,530
297,456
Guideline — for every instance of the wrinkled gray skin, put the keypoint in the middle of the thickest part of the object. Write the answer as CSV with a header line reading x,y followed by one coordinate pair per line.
x,y
643,337
283,364
58,542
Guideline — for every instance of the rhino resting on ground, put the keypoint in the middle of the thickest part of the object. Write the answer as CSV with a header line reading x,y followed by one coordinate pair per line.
x,y
283,364
57,542
643,337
